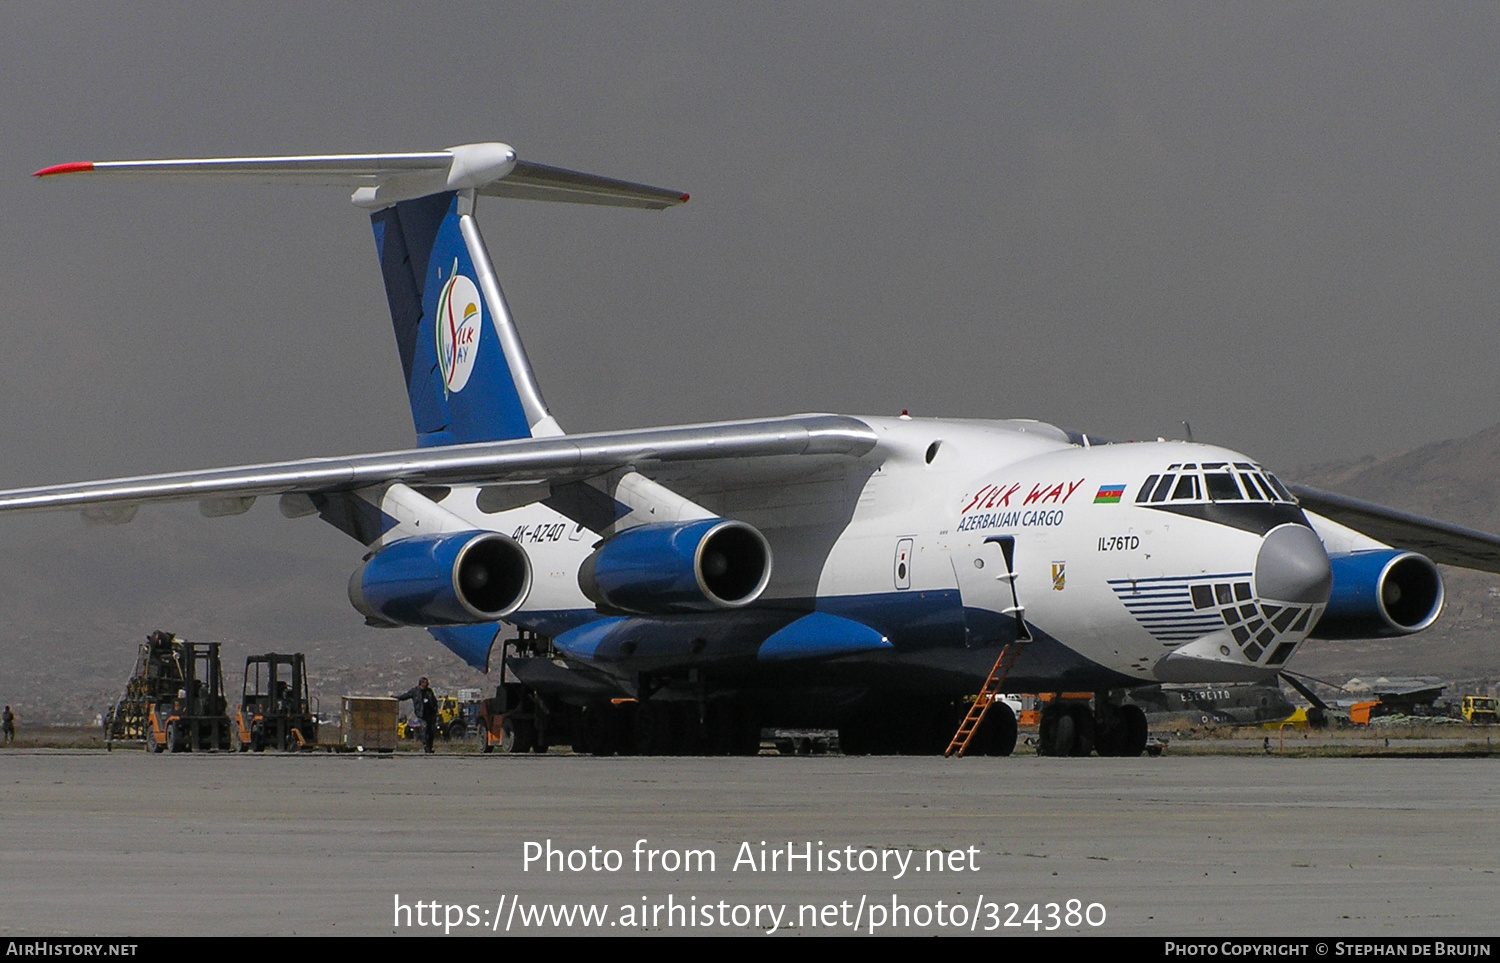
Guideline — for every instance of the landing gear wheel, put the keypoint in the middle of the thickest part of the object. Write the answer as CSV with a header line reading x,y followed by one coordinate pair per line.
x,y
719,728
738,726
1061,743
652,728
747,734
588,734
927,731
1109,739
997,736
1136,730
688,729
515,735
1047,730
621,720
1083,723
854,738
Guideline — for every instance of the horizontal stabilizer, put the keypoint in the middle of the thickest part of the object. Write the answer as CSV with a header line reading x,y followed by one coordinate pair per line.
x,y
381,180
1443,543
538,182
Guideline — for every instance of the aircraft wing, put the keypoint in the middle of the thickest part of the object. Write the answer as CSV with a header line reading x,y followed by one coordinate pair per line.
x,y
1439,541
562,458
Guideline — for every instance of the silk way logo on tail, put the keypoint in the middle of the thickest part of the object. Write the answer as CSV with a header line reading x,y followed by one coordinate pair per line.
x,y
458,318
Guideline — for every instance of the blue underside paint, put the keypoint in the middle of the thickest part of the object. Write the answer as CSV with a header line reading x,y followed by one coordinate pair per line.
x,y
820,635
584,641
929,644
910,620
469,642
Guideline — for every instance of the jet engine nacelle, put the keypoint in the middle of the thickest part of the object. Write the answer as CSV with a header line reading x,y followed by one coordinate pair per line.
x,y
1379,594
461,578
695,566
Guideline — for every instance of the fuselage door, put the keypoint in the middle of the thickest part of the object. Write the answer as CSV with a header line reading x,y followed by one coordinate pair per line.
x,y
987,582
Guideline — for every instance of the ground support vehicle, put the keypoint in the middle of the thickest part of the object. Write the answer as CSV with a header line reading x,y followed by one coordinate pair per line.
x,y
456,718
157,677
195,718
1480,710
275,711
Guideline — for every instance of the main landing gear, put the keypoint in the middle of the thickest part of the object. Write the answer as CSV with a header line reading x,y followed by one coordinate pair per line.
x,y
924,727
717,727
1074,728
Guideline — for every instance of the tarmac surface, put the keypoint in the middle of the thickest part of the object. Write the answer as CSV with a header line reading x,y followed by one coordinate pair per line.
x,y
125,844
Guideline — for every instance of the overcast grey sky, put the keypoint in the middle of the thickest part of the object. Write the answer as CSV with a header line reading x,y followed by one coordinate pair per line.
x,y
1276,221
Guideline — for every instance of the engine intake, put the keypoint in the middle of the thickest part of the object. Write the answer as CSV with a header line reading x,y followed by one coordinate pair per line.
x,y
461,578
1380,594
679,567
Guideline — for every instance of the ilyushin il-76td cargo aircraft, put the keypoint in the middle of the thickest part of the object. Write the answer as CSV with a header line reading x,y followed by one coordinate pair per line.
x,y
678,588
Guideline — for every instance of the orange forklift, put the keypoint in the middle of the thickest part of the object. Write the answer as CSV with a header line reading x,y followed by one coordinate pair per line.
x,y
193,719
275,712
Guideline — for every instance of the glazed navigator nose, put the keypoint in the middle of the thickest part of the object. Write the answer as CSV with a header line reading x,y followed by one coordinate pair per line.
x,y
1293,566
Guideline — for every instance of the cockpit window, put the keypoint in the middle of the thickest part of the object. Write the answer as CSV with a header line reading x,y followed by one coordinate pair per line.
x,y
1221,487
1187,489
1216,483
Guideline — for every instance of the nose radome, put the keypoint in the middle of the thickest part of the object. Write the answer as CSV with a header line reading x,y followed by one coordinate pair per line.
x,y
1293,566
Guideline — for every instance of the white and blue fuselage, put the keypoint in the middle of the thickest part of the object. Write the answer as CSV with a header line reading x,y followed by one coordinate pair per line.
x,y
1116,586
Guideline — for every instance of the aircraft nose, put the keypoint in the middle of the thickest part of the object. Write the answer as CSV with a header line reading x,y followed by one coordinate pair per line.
x,y
1292,566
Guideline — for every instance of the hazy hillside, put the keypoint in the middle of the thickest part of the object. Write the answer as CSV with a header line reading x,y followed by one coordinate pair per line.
x,y
1456,481
75,602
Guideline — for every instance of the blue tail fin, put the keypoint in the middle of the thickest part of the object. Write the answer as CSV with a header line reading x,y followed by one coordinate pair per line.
x,y
466,373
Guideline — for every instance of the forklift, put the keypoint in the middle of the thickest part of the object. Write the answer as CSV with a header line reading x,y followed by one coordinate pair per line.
x,y
275,712
194,718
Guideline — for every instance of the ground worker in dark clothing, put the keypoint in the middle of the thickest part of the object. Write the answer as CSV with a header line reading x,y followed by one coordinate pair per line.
x,y
8,725
424,704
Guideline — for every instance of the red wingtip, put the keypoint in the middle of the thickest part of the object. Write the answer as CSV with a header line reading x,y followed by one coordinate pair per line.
x,y
78,168
683,198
